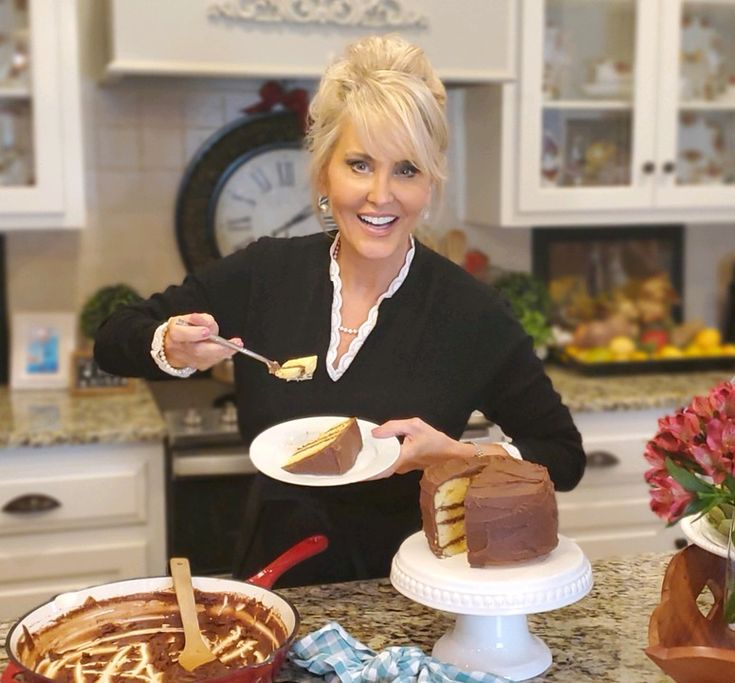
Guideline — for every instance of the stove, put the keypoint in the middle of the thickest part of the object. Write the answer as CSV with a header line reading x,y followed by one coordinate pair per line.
x,y
208,472
187,427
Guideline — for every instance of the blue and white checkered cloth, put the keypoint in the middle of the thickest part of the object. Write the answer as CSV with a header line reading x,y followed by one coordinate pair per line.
x,y
333,653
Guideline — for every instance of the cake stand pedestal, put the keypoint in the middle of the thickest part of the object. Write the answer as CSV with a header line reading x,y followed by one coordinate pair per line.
x,y
491,629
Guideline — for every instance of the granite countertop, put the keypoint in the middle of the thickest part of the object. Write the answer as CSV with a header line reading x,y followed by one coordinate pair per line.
x,y
31,417
631,392
46,418
599,639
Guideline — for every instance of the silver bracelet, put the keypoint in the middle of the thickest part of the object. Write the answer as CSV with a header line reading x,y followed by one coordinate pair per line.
x,y
478,449
509,449
159,354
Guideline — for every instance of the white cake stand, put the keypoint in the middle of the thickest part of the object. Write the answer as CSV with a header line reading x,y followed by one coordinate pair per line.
x,y
491,630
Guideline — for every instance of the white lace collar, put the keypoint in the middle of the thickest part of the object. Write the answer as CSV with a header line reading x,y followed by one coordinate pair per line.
x,y
367,327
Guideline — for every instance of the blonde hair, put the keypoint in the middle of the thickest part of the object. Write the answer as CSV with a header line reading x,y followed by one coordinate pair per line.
x,y
389,91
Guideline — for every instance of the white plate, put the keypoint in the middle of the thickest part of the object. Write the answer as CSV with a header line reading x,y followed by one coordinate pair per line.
x,y
272,448
698,531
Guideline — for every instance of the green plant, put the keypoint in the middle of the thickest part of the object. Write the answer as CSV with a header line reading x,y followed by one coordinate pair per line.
x,y
531,304
101,304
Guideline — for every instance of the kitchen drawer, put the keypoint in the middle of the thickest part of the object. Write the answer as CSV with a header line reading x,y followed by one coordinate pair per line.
x,y
614,443
622,510
627,541
29,578
71,491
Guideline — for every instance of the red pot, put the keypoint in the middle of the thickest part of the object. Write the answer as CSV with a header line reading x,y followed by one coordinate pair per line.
x,y
256,587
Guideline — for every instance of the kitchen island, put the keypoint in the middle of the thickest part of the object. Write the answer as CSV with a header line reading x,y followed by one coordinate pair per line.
x,y
599,639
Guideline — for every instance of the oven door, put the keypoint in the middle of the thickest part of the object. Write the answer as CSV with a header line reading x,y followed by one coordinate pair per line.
x,y
206,495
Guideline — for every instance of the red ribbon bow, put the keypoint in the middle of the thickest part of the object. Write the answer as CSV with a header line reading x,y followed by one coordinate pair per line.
x,y
272,93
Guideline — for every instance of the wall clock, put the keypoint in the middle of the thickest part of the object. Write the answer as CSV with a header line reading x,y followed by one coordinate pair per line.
x,y
248,180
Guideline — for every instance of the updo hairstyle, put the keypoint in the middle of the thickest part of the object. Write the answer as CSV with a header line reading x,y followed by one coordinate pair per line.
x,y
389,90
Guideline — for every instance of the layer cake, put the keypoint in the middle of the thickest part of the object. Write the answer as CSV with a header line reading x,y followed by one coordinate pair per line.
x,y
332,452
498,509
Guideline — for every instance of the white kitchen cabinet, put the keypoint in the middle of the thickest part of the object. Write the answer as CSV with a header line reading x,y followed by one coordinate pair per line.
x,y
41,159
623,112
75,516
471,41
609,513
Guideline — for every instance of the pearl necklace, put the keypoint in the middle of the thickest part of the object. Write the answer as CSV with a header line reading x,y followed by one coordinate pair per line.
x,y
347,330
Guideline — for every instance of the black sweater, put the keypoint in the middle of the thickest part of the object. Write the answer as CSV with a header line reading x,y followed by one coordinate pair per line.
x,y
444,345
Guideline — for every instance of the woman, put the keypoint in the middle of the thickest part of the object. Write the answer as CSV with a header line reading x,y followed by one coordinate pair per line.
x,y
404,338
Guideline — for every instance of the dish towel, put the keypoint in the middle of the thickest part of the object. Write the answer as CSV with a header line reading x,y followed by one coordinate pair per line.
x,y
333,653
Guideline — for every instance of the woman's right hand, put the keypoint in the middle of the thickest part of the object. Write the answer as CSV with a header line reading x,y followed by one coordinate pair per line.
x,y
188,345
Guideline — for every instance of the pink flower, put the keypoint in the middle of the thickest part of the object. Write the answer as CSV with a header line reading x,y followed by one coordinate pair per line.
x,y
670,501
656,455
710,463
692,456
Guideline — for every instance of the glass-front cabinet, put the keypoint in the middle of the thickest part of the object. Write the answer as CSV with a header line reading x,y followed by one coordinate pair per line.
x,y
623,110
41,182
697,104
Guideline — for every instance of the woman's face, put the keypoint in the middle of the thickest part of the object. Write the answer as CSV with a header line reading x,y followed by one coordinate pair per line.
x,y
376,201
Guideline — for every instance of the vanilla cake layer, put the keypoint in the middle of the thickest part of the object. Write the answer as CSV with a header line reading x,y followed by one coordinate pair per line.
x,y
332,452
297,369
443,490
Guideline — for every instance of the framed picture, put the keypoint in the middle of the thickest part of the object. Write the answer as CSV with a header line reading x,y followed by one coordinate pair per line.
x,y
41,348
588,269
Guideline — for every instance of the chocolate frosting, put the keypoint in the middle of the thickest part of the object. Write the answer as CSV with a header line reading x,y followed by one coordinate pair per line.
x,y
139,638
510,513
510,508
336,458
432,479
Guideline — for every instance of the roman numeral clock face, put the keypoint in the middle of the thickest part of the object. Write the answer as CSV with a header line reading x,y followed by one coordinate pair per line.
x,y
268,194
247,181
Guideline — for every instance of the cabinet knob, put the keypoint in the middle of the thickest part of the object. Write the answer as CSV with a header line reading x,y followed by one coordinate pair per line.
x,y
649,167
600,459
669,167
31,502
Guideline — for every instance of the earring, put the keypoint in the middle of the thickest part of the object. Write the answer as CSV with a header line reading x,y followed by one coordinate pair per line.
x,y
323,203
426,214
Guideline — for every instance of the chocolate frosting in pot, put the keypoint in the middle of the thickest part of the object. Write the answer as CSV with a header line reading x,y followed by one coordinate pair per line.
x,y
138,638
511,513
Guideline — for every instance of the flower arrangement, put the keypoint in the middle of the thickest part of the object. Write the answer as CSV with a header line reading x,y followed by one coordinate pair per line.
x,y
692,457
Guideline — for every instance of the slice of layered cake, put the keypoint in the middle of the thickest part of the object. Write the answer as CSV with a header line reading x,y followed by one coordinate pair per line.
x,y
499,509
332,452
443,488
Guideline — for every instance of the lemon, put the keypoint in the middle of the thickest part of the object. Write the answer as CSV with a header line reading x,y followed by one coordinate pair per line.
x,y
708,338
572,350
621,346
596,355
639,355
669,351
692,351
728,349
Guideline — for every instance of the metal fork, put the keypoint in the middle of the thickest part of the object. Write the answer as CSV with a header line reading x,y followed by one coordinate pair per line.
x,y
272,365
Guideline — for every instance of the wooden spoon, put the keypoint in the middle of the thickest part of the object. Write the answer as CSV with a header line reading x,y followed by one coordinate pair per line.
x,y
196,650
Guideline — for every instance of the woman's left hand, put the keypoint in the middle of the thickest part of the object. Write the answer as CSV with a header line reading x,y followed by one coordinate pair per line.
x,y
422,445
